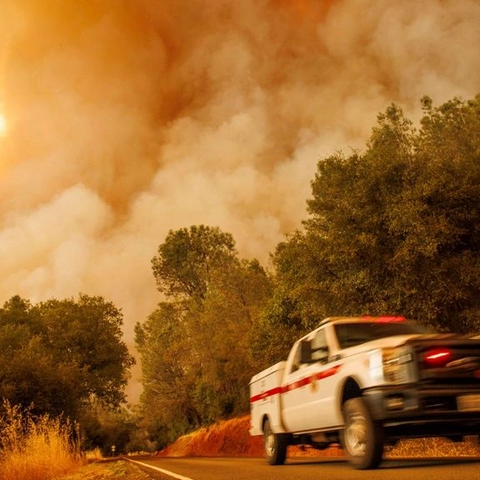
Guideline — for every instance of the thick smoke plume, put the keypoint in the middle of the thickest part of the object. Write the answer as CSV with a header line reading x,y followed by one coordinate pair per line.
x,y
128,118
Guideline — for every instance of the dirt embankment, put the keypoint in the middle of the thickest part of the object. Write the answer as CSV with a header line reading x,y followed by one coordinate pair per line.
x,y
227,438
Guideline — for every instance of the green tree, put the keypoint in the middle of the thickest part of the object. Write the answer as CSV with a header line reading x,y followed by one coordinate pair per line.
x,y
59,355
222,332
198,344
168,383
87,333
437,262
186,260
394,230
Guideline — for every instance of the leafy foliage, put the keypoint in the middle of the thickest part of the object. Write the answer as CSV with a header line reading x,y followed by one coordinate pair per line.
x,y
196,348
394,229
57,356
188,257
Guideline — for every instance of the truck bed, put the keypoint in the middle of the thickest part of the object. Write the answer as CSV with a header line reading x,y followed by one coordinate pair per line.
x,y
265,393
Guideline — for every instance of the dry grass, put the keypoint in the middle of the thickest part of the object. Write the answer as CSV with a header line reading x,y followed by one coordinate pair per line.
x,y
94,455
35,448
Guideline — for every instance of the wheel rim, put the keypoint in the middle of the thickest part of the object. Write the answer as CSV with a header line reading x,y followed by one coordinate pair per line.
x,y
356,435
270,443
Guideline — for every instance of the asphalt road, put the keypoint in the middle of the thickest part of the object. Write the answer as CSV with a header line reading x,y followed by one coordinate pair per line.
x,y
305,469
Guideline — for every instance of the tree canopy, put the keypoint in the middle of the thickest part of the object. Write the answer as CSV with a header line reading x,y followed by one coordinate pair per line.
x,y
60,355
196,347
394,229
188,258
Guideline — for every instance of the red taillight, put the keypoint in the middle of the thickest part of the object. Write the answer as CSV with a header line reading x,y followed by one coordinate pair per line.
x,y
438,357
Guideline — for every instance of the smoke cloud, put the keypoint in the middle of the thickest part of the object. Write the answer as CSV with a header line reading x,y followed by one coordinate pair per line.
x,y
127,119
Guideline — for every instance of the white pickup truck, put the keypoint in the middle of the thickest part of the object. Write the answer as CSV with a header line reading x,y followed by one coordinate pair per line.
x,y
366,382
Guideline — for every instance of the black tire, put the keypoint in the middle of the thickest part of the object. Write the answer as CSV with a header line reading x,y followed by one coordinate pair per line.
x,y
363,438
275,445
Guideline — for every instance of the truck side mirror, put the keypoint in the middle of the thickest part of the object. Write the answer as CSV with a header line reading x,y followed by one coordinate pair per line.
x,y
306,351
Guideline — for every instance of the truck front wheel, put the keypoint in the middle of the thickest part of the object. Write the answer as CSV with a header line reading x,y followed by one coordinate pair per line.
x,y
362,438
275,445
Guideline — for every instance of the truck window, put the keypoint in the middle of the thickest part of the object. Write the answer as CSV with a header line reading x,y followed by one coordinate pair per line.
x,y
353,334
296,360
320,347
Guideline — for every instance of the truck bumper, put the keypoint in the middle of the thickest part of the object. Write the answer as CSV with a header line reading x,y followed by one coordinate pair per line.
x,y
420,412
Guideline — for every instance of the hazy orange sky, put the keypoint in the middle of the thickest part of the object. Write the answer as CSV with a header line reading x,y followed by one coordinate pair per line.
x,y
128,118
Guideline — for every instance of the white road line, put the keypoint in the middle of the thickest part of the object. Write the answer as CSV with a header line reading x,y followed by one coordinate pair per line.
x,y
166,472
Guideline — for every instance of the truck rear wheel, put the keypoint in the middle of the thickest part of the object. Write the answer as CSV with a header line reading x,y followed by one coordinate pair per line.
x,y
362,438
275,445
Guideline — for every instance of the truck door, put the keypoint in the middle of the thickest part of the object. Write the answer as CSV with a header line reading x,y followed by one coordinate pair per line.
x,y
309,392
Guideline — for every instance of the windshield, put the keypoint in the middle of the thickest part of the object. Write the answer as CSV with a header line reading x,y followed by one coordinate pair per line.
x,y
352,334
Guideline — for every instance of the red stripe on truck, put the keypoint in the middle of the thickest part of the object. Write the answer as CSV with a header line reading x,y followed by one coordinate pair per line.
x,y
266,394
298,384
